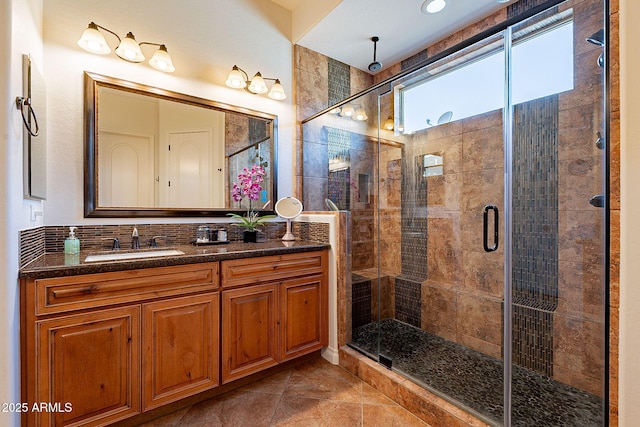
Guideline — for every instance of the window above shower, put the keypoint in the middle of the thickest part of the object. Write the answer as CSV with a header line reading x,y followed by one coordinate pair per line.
x,y
472,83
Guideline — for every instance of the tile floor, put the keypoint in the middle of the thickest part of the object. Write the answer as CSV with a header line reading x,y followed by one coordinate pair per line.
x,y
315,393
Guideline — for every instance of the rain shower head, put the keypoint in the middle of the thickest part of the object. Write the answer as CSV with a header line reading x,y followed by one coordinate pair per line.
x,y
597,38
375,65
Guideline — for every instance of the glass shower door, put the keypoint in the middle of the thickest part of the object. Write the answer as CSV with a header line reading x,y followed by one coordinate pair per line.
x,y
556,219
440,254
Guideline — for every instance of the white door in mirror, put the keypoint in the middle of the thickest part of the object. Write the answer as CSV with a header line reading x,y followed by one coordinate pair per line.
x,y
288,208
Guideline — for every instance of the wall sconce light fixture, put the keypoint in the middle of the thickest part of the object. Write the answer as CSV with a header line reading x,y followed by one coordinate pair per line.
x,y
239,79
128,48
388,124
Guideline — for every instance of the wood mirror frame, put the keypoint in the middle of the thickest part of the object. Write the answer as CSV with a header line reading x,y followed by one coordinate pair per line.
x,y
92,84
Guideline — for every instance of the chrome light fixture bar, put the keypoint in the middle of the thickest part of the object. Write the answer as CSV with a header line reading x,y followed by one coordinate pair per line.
x,y
128,49
239,79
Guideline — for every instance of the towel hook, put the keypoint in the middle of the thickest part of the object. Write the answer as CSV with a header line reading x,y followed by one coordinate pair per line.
x,y
20,103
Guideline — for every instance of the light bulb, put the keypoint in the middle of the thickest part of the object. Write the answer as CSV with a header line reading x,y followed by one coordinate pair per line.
x,y
433,6
129,49
347,110
235,79
257,84
360,114
93,41
277,91
161,60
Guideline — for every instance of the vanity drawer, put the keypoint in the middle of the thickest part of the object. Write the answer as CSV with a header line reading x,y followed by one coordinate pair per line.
x,y
240,272
62,294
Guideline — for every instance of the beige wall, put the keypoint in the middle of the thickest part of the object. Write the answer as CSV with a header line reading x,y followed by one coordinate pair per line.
x,y
203,52
20,33
629,213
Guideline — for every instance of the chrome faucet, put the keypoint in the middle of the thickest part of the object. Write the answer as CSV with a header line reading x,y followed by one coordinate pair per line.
x,y
153,243
135,240
116,243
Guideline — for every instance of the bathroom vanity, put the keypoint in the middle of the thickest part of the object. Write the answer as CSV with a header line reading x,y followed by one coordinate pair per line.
x,y
103,342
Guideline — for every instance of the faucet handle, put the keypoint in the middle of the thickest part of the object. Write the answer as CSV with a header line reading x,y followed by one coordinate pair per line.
x,y
116,243
153,243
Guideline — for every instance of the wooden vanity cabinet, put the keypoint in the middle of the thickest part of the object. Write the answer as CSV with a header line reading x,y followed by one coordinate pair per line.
x,y
274,309
91,362
303,316
100,348
180,348
249,330
104,347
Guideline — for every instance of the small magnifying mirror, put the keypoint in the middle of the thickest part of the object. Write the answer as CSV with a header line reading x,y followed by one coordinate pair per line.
x,y
288,208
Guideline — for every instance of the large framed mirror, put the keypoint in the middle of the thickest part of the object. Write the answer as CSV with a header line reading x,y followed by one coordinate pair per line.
x,y
151,152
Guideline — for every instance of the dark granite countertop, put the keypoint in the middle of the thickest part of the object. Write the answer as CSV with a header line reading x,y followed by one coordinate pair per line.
x,y
58,264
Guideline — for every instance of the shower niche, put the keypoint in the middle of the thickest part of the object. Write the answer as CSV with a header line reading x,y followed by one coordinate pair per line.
x,y
515,335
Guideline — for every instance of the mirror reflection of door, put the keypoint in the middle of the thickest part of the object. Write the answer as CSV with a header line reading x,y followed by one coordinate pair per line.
x,y
193,177
126,161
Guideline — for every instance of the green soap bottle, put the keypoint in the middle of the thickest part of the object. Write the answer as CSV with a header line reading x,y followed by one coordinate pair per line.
x,y
72,243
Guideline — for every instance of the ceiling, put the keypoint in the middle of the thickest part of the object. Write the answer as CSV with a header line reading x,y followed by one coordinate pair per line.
x,y
345,31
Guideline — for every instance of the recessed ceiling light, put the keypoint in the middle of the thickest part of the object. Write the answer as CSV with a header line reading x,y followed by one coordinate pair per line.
x,y
503,1
433,6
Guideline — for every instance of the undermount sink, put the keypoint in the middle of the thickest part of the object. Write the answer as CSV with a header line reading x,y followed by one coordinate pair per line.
x,y
132,255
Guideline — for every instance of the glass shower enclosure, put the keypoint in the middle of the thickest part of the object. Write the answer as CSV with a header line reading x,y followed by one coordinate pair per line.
x,y
476,184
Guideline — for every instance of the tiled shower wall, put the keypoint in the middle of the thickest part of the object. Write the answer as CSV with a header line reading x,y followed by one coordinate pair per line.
x,y
472,289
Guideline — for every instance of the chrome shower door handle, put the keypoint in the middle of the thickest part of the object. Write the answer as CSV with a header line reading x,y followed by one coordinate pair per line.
x,y
485,221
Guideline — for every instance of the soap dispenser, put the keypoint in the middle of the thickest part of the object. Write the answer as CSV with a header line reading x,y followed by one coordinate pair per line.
x,y
72,243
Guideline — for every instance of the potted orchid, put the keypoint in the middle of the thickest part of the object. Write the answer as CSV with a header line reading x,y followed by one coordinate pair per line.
x,y
248,186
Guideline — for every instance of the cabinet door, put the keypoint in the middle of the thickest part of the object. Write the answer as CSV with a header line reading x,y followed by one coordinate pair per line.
x,y
303,315
90,362
249,339
180,339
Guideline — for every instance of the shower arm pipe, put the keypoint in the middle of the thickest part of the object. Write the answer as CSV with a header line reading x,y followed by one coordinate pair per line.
x,y
456,48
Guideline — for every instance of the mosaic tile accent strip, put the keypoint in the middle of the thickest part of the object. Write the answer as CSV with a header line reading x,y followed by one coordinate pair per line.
x,y
360,301
339,81
408,299
258,129
535,230
522,6
339,188
535,203
339,149
338,144
314,231
533,339
32,244
475,380
35,242
92,236
413,224
414,60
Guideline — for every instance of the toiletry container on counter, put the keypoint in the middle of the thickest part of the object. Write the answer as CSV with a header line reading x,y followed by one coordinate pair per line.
x,y
72,243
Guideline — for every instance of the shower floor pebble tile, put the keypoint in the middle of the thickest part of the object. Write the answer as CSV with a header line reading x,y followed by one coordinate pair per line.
x,y
312,394
476,380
